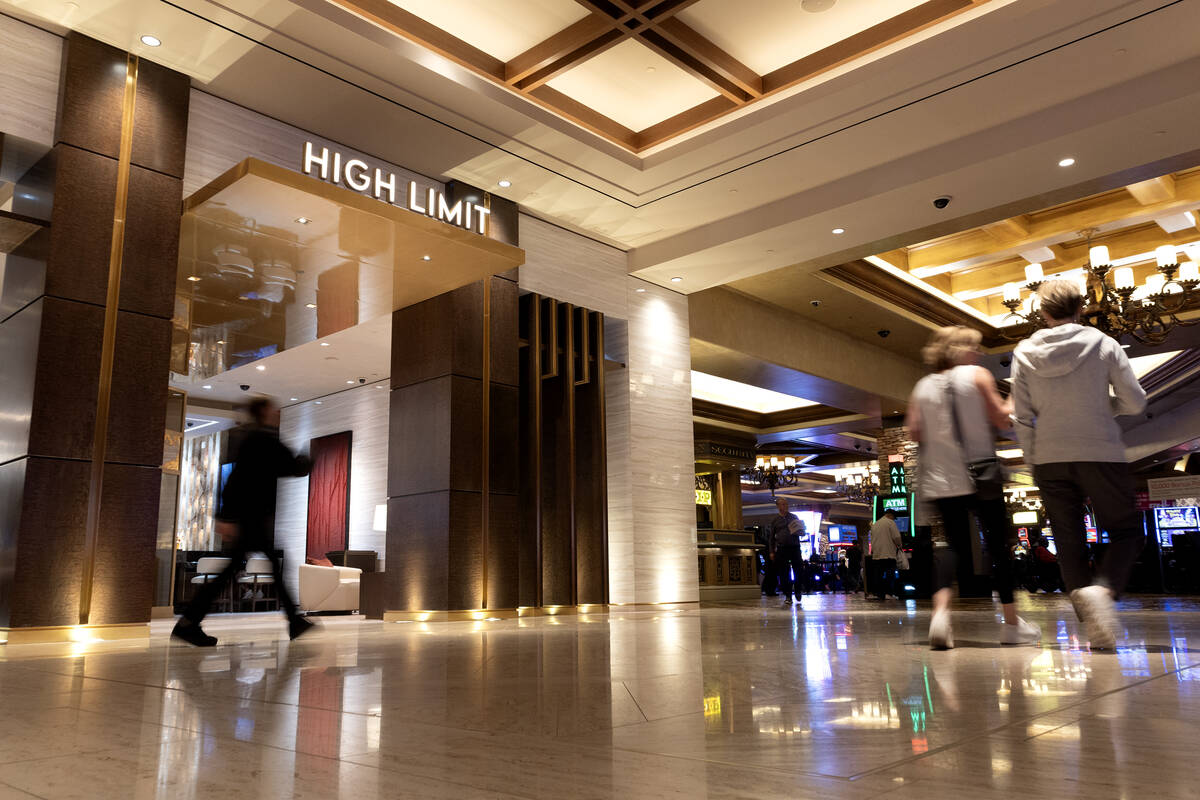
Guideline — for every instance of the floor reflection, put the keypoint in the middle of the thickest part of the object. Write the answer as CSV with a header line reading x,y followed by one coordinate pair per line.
x,y
838,698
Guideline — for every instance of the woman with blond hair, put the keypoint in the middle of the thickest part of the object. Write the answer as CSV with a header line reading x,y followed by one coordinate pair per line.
x,y
953,414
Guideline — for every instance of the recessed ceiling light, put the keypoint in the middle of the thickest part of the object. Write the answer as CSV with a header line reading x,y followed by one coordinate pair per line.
x,y
261,368
207,386
676,279
504,183
151,41
318,402
640,291
310,305
324,344
1066,162
426,258
193,278
350,382
838,231
649,69
303,220
220,341
294,399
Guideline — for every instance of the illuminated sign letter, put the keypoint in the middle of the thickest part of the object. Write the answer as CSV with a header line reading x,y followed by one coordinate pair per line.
x,y
389,184
413,205
311,159
482,213
356,175
448,213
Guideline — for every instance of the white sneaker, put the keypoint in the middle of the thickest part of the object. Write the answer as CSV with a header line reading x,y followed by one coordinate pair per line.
x,y
1095,608
1021,633
941,637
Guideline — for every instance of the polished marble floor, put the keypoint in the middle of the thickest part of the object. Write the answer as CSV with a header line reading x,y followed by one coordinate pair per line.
x,y
838,698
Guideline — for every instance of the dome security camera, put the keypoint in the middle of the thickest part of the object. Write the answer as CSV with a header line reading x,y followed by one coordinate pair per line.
x,y
883,334
362,380
941,202
815,303
245,387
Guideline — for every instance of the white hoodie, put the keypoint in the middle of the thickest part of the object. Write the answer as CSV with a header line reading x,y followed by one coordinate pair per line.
x,y
1061,402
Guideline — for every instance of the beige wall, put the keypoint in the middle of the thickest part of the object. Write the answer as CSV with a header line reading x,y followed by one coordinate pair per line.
x,y
29,89
362,410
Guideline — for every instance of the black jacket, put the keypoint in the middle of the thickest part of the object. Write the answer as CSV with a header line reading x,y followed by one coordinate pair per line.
x,y
249,494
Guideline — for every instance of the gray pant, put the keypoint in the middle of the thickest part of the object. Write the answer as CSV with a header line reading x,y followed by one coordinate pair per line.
x,y
1110,489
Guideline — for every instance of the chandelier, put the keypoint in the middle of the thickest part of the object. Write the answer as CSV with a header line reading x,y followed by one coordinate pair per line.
x,y
858,484
771,473
1118,307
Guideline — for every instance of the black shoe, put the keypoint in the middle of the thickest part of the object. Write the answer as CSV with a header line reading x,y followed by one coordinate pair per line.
x,y
192,634
299,626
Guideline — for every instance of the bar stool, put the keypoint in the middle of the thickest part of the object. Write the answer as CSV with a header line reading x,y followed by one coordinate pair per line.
x,y
259,573
208,569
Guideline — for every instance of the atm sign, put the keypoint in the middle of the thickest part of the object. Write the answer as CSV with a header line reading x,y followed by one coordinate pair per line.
x,y
895,504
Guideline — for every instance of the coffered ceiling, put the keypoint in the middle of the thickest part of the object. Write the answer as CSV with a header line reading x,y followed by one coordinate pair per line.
x,y
642,72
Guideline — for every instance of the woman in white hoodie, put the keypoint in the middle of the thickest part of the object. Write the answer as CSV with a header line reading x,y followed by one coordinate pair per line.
x,y
1064,416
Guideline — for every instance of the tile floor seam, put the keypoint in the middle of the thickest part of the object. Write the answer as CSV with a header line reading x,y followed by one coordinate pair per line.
x,y
991,732
638,705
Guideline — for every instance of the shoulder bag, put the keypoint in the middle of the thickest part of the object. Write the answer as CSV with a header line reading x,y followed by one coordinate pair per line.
x,y
986,473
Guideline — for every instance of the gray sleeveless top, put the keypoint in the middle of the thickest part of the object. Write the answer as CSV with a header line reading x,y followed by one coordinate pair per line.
x,y
942,465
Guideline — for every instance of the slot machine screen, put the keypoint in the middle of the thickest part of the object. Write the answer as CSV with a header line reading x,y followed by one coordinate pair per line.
x,y
1093,534
1171,521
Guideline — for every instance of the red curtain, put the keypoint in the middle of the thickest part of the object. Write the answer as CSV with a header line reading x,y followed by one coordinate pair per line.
x,y
329,494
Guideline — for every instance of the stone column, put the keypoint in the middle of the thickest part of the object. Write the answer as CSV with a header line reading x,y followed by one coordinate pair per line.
x,y
86,328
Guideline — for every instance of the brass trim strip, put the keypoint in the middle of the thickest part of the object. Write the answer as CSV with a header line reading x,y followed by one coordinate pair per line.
x,y
52,634
572,490
107,352
602,401
535,372
486,443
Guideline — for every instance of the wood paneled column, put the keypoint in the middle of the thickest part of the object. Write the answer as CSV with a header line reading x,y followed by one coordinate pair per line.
x,y
86,341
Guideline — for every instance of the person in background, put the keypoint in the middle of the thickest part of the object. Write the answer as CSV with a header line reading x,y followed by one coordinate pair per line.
x,y
786,532
885,545
953,414
854,560
246,519
1065,421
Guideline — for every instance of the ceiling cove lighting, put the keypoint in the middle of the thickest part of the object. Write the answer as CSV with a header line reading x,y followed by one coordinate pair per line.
x,y
743,395
151,41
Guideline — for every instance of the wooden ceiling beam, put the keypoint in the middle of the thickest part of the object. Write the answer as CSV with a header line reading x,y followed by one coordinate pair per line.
x,y
1155,190
683,122
558,66
975,247
1011,228
584,116
695,66
690,41
558,46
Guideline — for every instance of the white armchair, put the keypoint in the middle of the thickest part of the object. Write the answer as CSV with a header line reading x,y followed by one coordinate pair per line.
x,y
329,588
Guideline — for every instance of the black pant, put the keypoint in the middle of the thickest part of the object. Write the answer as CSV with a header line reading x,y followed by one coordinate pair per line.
x,y
787,561
881,577
1110,487
993,521
251,538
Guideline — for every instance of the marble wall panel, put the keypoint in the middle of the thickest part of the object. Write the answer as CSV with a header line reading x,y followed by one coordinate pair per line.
x,y
573,268
363,410
32,59
221,134
662,453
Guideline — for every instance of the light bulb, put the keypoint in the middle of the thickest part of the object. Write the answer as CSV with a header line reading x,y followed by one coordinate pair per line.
x,y
1123,278
1033,273
1012,291
1189,271
1098,256
1165,256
